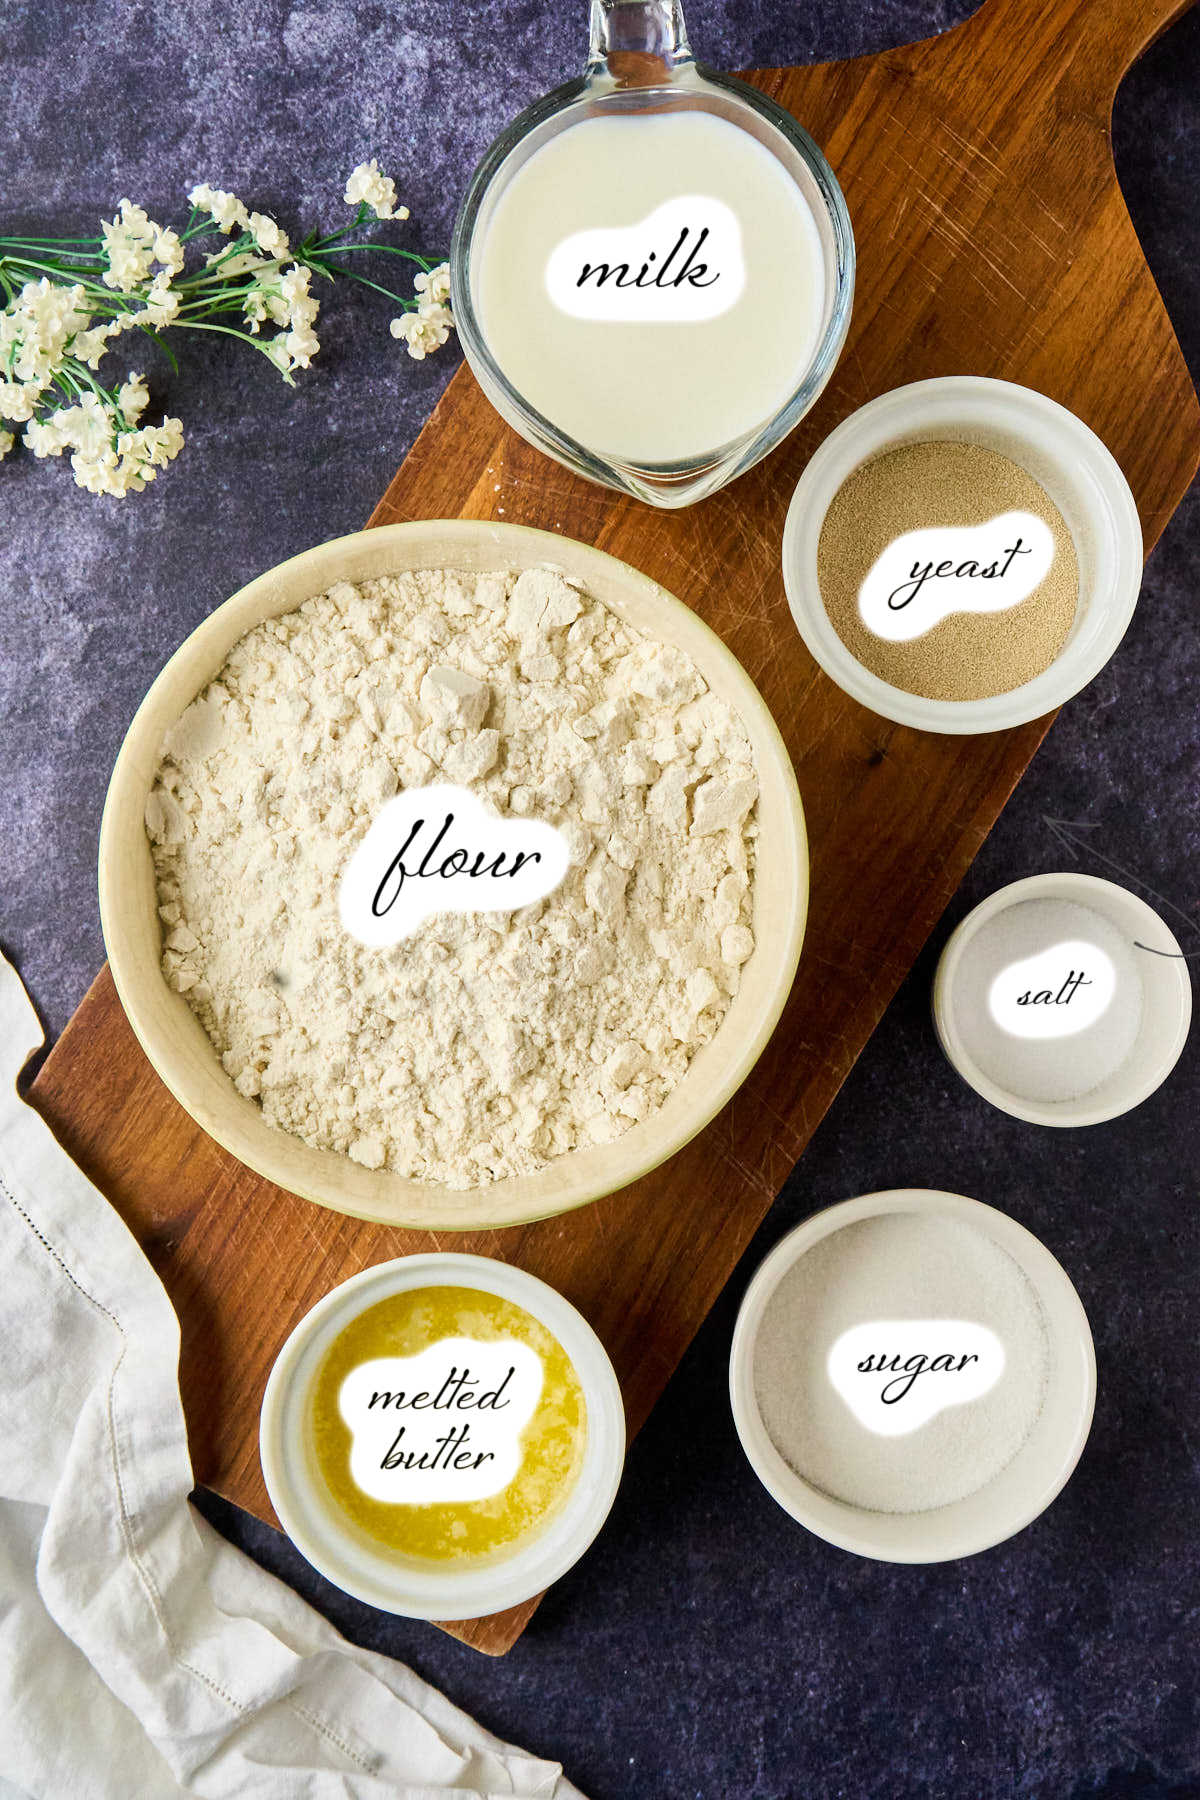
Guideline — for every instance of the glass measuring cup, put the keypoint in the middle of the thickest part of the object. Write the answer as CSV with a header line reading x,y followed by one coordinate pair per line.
x,y
640,63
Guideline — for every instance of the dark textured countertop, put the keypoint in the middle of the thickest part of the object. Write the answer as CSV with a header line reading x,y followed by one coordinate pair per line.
x,y
706,1646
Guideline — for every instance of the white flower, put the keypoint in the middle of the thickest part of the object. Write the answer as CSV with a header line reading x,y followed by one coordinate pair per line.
x,y
98,474
51,332
439,319
88,426
267,235
46,437
421,334
302,346
86,429
286,302
302,306
89,346
426,329
17,400
225,209
35,330
254,309
129,247
278,352
162,304
108,457
133,244
366,186
243,262
434,287
154,446
133,399
168,251
295,283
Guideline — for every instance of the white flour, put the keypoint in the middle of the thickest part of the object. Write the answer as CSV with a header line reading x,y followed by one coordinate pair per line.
x,y
486,1044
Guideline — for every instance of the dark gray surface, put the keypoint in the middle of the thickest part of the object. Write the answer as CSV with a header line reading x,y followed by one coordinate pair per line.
x,y
706,1646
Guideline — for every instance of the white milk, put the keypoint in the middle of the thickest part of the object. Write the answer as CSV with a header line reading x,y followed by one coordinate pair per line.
x,y
692,267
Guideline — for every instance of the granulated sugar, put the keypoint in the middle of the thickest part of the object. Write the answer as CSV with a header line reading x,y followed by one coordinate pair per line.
x,y
485,1044
1023,939
899,1266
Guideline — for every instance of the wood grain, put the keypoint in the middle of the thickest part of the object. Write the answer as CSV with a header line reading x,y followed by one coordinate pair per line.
x,y
993,239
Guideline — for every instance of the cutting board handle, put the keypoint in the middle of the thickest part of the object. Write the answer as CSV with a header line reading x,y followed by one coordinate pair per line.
x,y
1097,40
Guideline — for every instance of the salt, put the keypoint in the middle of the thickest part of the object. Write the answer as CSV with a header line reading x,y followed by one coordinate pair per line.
x,y
899,1267
1026,1043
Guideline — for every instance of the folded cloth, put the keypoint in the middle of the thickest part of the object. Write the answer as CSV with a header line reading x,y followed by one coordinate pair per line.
x,y
141,1656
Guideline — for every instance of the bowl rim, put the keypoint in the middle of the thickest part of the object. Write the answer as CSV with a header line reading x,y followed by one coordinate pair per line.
x,y
854,1528
1086,890
324,1176
434,1593
906,414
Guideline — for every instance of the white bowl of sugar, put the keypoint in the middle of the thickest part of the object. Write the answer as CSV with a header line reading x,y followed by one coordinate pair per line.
x,y
974,1402
1063,999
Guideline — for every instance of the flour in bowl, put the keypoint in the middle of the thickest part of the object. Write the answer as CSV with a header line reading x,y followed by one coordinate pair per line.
x,y
485,1044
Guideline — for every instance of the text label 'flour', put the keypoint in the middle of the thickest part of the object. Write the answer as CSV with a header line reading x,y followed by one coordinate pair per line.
x,y
437,849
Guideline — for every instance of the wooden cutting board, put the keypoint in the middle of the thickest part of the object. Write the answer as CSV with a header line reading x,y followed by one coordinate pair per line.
x,y
992,240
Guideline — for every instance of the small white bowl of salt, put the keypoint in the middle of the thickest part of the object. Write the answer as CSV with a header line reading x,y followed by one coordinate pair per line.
x,y
1063,999
912,1376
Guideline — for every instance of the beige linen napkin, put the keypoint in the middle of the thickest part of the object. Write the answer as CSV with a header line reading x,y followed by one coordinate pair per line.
x,y
140,1654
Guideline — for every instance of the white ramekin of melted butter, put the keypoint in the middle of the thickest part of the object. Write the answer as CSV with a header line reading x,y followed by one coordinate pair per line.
x,y
442,1436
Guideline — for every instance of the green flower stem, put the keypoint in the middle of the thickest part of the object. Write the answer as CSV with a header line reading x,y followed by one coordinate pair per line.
x,y
157,338
359,220
244,338
425,262
48,243
74,277
59,267
408,305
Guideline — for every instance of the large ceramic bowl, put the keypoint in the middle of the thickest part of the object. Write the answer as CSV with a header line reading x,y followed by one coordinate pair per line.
x,y
172,1036
1021,1490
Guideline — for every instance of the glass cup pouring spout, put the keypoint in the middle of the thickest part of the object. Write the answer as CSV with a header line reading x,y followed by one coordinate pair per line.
x,y
640,64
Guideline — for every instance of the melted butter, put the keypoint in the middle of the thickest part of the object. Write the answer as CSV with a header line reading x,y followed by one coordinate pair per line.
x,y
552,1443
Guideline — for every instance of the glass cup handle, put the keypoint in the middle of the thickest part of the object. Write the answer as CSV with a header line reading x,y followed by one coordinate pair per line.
x,y
637,43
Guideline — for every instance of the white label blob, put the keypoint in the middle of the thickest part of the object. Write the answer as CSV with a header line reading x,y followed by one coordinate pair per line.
x,y
444,1425
897,1374
1055,993
437,849
681,264
924,576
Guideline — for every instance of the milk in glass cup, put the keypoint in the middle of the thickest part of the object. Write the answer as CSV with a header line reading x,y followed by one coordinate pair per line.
x,y
653,268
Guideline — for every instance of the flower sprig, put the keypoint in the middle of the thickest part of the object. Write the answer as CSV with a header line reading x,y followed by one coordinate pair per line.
x,y
66,301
